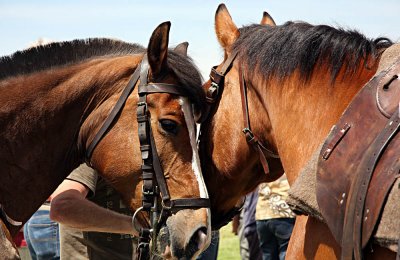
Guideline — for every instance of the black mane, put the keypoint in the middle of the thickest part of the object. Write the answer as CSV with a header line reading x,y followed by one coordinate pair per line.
x,y
63,53
278,51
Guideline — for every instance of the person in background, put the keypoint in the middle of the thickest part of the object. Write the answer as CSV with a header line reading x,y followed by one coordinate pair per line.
x,y
245,226
42,235
274,219
94,222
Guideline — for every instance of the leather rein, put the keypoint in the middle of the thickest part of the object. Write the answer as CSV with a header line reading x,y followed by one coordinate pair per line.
x,y
213,94
156,199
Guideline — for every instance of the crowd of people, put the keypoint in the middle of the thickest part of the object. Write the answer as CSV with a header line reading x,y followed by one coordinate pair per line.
x,y
85,218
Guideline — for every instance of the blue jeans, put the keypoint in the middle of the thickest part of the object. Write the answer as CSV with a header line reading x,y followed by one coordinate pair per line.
x,y
42,236
211,252
274,235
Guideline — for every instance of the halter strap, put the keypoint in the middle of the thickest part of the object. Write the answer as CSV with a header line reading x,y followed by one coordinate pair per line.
x,y
214,92
251,138
11,221
113,114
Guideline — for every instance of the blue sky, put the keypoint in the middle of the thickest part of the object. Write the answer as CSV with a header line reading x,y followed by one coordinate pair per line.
x,y
22,21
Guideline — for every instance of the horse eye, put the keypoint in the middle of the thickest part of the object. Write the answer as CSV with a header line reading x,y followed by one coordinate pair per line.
x,y
169,126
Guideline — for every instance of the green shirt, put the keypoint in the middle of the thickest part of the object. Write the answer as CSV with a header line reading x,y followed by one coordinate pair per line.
x,y
75,244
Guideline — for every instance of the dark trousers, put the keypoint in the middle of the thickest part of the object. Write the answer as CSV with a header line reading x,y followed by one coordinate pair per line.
x,y
274,235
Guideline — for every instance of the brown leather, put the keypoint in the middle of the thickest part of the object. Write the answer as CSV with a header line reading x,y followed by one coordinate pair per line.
x,y
359,163
387,96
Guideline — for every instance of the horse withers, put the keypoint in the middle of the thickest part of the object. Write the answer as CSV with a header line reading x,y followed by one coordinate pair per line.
x,y
57,98
294,81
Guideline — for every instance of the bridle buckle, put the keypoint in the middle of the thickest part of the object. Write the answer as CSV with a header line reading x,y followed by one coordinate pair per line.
x,y
212,92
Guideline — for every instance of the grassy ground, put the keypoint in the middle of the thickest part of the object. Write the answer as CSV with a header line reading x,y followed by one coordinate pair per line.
x,y
228,244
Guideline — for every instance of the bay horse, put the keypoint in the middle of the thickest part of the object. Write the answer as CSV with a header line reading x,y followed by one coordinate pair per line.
x,y
285,86
56,98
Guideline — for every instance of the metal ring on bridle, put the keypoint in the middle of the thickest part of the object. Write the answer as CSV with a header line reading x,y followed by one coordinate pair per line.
x,y
165,207
133,220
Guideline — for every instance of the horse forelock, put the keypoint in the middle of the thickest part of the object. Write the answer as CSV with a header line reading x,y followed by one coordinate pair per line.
x,y
62,53
188,76
281,50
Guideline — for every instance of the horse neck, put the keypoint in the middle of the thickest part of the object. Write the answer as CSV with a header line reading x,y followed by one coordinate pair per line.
x,y
41,116
302,115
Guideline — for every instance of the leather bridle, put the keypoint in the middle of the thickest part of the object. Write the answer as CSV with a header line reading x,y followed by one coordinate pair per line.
x,y
213,94
156,199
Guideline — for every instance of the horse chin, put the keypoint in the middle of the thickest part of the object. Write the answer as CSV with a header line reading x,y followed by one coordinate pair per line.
x,y
163,243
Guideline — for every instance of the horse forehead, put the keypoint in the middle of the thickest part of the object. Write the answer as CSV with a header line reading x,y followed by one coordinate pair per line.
x,y
166,103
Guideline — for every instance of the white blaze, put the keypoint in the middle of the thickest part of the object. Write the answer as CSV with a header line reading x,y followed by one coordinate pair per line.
x,y
191,125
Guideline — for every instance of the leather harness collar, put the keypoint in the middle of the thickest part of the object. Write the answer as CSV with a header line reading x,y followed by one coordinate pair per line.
x,y
154,183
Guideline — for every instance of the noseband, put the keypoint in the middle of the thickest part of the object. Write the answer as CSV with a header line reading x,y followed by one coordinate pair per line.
x,y
213,94
156,199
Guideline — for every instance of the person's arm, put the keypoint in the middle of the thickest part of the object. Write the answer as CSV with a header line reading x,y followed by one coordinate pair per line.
x,y
70,207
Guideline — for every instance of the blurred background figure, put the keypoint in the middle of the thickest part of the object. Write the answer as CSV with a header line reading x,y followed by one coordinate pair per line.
x,y
274,219
42,235
244,225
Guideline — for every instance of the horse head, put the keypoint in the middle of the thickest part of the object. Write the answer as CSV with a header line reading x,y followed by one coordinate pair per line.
x,y
293,82
230,149
169,90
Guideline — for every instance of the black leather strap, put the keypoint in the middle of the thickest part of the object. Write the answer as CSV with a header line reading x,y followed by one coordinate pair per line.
x,y
113,114
162,88
251,138
193,203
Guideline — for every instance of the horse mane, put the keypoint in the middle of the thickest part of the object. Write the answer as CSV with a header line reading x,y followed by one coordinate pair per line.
x,y
278,51
58,54
62,53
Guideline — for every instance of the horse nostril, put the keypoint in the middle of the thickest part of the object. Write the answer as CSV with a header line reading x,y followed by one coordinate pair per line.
x,y
202,239
197,242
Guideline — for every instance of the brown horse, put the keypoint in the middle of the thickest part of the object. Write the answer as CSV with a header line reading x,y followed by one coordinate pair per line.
x,y
55,98
299,78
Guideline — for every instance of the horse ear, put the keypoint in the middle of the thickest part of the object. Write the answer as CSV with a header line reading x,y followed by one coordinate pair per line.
x,y
157,50
267,20
225,28
182,48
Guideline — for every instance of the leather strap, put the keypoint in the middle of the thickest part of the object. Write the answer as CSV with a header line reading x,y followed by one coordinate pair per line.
x,y
351,240
7,219
162,88
113,114
154,182
143,248
215,92
251,138
193,203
